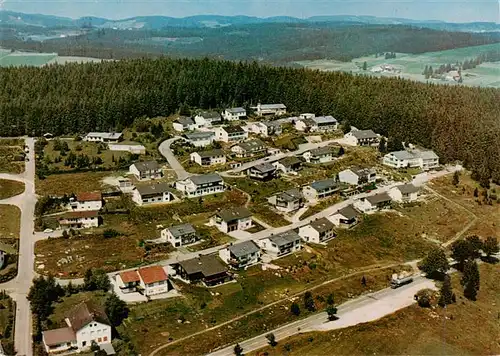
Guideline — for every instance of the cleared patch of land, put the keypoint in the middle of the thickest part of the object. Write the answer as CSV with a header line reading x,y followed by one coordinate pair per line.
x,y
465,328
11,159
10,220
10,188
412,66
60,184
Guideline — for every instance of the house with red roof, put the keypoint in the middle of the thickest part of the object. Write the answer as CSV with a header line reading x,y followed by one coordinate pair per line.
x,y
79,219
149,281
86,201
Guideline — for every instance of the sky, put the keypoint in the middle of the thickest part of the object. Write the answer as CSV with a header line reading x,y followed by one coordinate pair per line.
x,y
445,10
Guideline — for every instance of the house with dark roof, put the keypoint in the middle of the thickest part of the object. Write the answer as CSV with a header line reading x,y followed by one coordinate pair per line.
x,y
86,201
230,134
233,114
321,189
184,123
206,269
241,255
249,148
322,154
208,158
200,138
262,171
373,203
287,201
200,185
87,323
362,138
208,119
150,280
79,219
346,217
289,165
232,219
146,170
404,193
317,124
358,176
318,231
146,194
281,244
266,128
180,235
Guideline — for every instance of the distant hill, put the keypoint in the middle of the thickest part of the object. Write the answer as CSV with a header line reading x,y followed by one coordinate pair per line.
x,y
10,18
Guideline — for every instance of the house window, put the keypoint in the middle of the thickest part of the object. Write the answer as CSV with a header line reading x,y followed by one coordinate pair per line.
x,y
99,340
84,343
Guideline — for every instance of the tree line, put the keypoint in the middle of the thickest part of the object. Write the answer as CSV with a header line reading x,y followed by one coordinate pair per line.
x,y
459,123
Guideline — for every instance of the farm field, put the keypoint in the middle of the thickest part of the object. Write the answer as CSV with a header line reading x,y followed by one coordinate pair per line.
x,y
414,330
412,66
17,59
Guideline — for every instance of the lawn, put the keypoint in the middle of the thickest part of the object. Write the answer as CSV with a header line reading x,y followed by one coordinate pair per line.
x,y
11,159
60,184
211,237
465,328
320,206
10,221
10,188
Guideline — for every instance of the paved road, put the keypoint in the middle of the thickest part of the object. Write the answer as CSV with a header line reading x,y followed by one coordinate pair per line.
x,y
166,152
364,309
18,288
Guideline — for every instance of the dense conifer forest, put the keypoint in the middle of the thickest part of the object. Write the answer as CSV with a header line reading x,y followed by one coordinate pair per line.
x,y
460,123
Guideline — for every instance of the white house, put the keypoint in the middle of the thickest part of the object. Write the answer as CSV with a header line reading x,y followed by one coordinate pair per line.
x,y
412,158
373,203
86,201
79,219
106,137
317,124
404,193
358,176
266,128
144,194
153,280
184,123
287,165
201,138
362,138
87,323
346,217
249,148
237,218
208,119
287,201
281,244
262,171
318,231
270,109
321,189
197,186
134,149
241,255
230,134
180,235
322,154
233,114
146,170
209,158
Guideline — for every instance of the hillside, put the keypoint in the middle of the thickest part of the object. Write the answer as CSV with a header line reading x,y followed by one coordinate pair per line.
x,y
267,42
459,123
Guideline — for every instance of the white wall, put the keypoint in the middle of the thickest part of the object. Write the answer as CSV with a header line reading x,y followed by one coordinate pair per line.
x,y
348,176
93,332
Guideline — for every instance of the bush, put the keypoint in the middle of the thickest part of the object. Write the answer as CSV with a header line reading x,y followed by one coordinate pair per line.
x,y
109,233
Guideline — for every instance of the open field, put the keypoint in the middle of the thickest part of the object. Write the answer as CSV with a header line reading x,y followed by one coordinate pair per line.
x,y
10,220
11,159
10,188
59,184
412,66
465,328
17,59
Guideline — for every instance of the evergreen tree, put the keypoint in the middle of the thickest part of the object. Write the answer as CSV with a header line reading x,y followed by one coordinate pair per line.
x,y
309,301
456,178
435,263
461,251
490,246
446,295
295,309
365,66
116,309
382,146
470,280
332,312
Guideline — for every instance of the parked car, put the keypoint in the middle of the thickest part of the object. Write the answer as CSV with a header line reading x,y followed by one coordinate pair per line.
x,y
48,231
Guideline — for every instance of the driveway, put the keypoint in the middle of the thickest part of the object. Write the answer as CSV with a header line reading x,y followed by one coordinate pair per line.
x,y
364,309
166,152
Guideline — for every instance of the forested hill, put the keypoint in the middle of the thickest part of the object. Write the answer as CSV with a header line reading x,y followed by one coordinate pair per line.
x,y
460,123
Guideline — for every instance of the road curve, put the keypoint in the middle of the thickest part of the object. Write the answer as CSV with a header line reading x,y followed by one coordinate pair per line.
x,y
166,152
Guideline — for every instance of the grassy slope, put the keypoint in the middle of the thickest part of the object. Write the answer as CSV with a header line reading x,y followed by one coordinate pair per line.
x,y
10,188
10,217
464,328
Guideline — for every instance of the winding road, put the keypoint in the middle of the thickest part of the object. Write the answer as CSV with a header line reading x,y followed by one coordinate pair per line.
x,y
166,152
18,288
